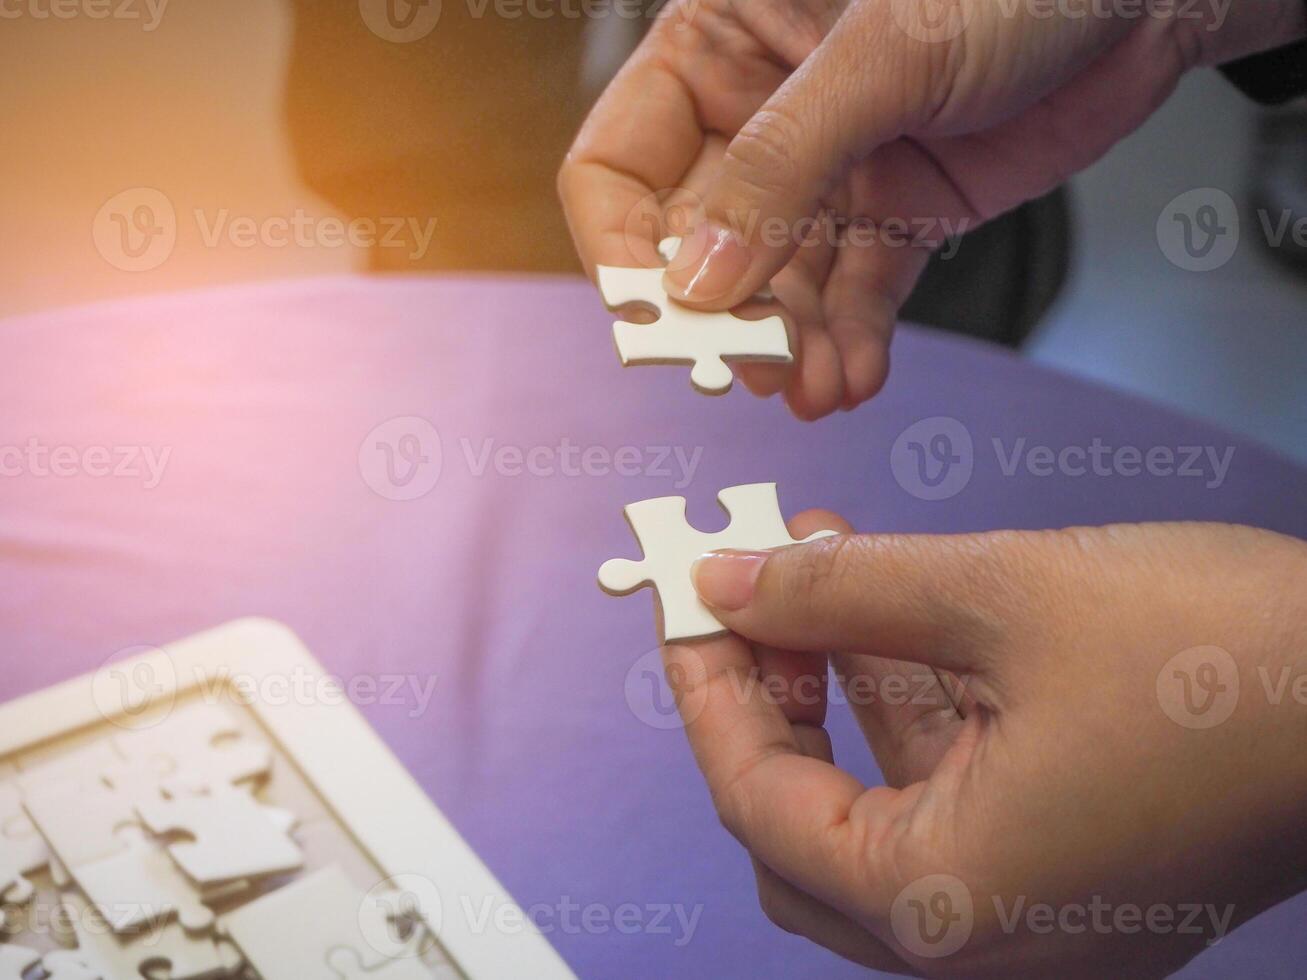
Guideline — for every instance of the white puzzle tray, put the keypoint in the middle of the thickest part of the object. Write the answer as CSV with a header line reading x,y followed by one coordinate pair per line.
x,y
182,814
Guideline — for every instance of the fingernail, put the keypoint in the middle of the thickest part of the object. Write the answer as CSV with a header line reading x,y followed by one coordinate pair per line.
x,y
709,263
726,579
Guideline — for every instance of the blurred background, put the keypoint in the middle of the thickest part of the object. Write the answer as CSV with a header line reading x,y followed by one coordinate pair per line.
x,y
153,146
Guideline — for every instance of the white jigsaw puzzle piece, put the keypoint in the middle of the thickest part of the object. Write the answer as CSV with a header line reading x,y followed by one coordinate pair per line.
x,y
68,964
22,850
286,932
685,336
234,836
80,820
16,960
348,965
164,950
670,546
142,887
198,746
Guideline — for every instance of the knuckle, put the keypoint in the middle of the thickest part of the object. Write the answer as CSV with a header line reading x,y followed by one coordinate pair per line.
x,y
822,571
763,157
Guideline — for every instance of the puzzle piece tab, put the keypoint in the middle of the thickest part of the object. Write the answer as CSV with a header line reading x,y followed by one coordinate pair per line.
x,y
234,836
670,546
198,746
162,950
685,336
16,960
141,887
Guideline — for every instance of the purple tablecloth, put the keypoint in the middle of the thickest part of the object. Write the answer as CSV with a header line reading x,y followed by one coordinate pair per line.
x,y
258,486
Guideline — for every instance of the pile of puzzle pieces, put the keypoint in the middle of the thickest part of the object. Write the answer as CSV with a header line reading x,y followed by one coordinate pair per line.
x,y
165,865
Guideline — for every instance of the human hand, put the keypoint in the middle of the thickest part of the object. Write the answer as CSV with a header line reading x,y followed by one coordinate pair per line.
x,y
901,123
1097,734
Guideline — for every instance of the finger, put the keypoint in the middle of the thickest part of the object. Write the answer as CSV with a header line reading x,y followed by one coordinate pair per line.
x,y
791,811
816,385
795,682
906,711
642,136
939,600
799,913
797,288
834,109
866,288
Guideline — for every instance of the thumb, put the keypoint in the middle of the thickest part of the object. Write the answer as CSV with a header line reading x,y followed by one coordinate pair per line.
x,y
937,600
852,93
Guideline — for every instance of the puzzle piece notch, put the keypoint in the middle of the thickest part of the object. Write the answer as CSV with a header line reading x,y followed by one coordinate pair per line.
x,y
16,960
22,850
68,964
305,921
681,335
161,951
199,747
141,888
232,835
670,546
